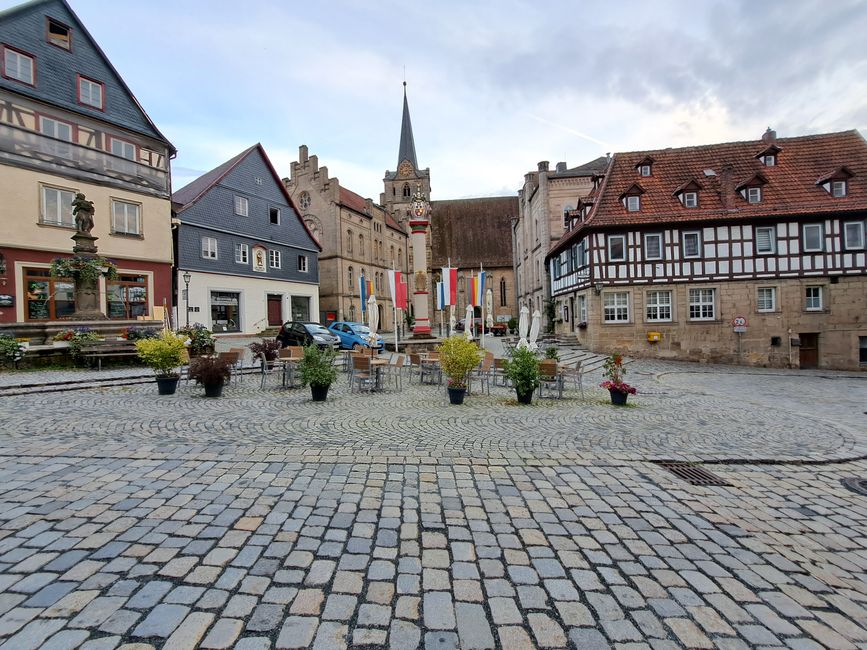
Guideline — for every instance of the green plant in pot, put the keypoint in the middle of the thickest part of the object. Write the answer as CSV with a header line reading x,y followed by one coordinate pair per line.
x,y
523,371
614,370
317,370
458,357
164,354
200,337
513,326
551,353
212,373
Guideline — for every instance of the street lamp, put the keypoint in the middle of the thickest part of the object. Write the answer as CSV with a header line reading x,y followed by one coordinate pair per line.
x,y
187,277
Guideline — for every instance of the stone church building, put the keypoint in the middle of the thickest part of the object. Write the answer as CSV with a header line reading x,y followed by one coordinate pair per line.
x,y
358,235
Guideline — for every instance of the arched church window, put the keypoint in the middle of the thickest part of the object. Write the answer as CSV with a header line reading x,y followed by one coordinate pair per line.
x,y
351,280
406,191
400,259
361,246
502,292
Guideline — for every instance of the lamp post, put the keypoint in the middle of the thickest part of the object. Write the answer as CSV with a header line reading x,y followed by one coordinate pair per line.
x,y
187,277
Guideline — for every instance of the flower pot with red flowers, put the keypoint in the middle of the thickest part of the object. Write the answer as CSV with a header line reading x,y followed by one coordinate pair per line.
x,y
614,370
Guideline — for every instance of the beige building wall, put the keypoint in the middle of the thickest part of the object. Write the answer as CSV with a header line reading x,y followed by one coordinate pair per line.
x,y
22,192
840,324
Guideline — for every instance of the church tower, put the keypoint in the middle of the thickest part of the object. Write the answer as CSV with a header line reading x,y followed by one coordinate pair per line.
x,y
401,185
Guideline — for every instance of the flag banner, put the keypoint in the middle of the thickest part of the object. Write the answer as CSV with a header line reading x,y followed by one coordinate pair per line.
x,y
365,290
441,296
395,280
479,289
450,285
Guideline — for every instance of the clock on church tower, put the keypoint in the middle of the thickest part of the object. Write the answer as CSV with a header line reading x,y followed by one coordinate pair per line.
x,y
405,170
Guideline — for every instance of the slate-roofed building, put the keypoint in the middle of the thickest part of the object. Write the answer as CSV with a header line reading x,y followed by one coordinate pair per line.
x,y
251,259
471,233
358,237
750,252
543,199
70,124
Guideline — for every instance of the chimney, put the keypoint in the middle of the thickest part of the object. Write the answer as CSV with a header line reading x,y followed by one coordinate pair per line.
x,y
769,136
302,153
543,166
561,166
725,186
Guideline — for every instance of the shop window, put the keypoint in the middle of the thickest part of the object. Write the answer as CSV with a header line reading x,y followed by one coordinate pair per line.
x,y
225,316
47,298
127,297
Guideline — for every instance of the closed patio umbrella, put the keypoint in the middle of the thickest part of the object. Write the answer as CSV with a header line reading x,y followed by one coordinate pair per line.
x,y
534,329
523,327
372,321
489,307
468,323
452,320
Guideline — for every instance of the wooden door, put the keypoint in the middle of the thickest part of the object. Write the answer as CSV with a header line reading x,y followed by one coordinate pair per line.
x,y
809,350
275,310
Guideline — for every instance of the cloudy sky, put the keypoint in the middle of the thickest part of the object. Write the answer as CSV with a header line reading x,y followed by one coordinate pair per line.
x,y
494,86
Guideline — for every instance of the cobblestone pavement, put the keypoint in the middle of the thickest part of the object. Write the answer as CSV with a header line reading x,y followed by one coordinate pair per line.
x,y
262,520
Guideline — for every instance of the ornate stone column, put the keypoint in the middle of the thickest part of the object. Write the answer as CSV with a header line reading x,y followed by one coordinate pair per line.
x,y
419,222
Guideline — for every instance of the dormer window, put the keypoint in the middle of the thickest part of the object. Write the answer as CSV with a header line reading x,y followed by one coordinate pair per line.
x,y
690,199
631,198
754,194
645,167
687,193
768,156
769,160
836,183
633,203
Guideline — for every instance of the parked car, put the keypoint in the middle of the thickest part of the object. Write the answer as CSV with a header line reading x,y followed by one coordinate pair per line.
x,y
306,333
351,334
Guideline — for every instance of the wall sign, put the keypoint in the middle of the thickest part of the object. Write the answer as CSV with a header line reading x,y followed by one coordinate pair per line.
x,y
6,300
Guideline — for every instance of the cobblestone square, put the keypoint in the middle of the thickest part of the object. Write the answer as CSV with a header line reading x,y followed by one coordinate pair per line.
x,y
392,520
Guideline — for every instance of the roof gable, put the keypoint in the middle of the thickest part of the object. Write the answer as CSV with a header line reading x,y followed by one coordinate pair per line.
x,y
57,69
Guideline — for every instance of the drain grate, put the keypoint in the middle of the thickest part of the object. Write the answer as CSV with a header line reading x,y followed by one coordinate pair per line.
x,y
856,485
692,473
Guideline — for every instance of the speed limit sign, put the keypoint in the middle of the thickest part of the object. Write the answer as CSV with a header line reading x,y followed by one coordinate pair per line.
x,y
739,324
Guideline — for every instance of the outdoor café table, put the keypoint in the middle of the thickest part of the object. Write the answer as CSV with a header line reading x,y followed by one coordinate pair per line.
x,y
377,365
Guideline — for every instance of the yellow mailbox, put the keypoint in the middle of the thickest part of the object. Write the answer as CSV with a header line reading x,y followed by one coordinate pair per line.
x,y
654,337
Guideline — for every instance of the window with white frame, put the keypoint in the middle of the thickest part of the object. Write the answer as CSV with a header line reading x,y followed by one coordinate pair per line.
x,y
241,206
18,66
766,299
209,248
275,259
853,235
57,207
690,199
582,309
242,253
55,128
838,188
90,92
302,263
123,149
615,307
692,244
616,248
812,237
754,194
125,218
653,246
658,306
813,299
633,203
702,304
645,170
770,160
766,240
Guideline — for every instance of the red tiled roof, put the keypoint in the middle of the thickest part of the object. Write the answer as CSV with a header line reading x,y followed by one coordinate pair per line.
x,y
358,203
791,187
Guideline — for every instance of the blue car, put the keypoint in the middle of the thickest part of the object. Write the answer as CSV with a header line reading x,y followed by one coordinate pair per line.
x,y
352,334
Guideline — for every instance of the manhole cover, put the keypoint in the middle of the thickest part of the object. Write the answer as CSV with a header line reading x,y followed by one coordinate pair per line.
x,y
692,473
856,485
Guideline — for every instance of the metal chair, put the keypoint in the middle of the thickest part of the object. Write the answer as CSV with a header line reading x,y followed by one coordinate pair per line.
x,y
482,373
576,374
266,369
361,374
550,378
394,370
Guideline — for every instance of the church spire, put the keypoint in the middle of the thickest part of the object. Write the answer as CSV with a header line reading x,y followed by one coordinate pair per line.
x,y
407,143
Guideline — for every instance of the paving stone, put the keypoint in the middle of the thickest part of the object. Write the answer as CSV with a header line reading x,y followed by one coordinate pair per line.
x,y
223,634
265,617
439,611
474,630
189,634
161,621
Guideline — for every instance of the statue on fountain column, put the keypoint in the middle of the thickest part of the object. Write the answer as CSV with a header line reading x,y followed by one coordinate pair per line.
x,y
82,210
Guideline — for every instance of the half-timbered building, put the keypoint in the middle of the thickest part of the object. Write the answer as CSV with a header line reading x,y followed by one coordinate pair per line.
x,y
70,124
746,252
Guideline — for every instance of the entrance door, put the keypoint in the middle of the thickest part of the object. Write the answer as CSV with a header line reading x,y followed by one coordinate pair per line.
x,y
572,313
809,351
275,310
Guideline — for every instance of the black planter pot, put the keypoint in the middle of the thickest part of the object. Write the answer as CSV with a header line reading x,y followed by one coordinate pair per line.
x,y
618,398
167,385
319,393
213,390
525,398
456,395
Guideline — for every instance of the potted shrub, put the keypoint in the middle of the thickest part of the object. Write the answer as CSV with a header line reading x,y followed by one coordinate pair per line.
x,y
165,355
269,347
458,357
613,374
201,339
317,370
551,353
523,371
212,373
513,326
11,351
